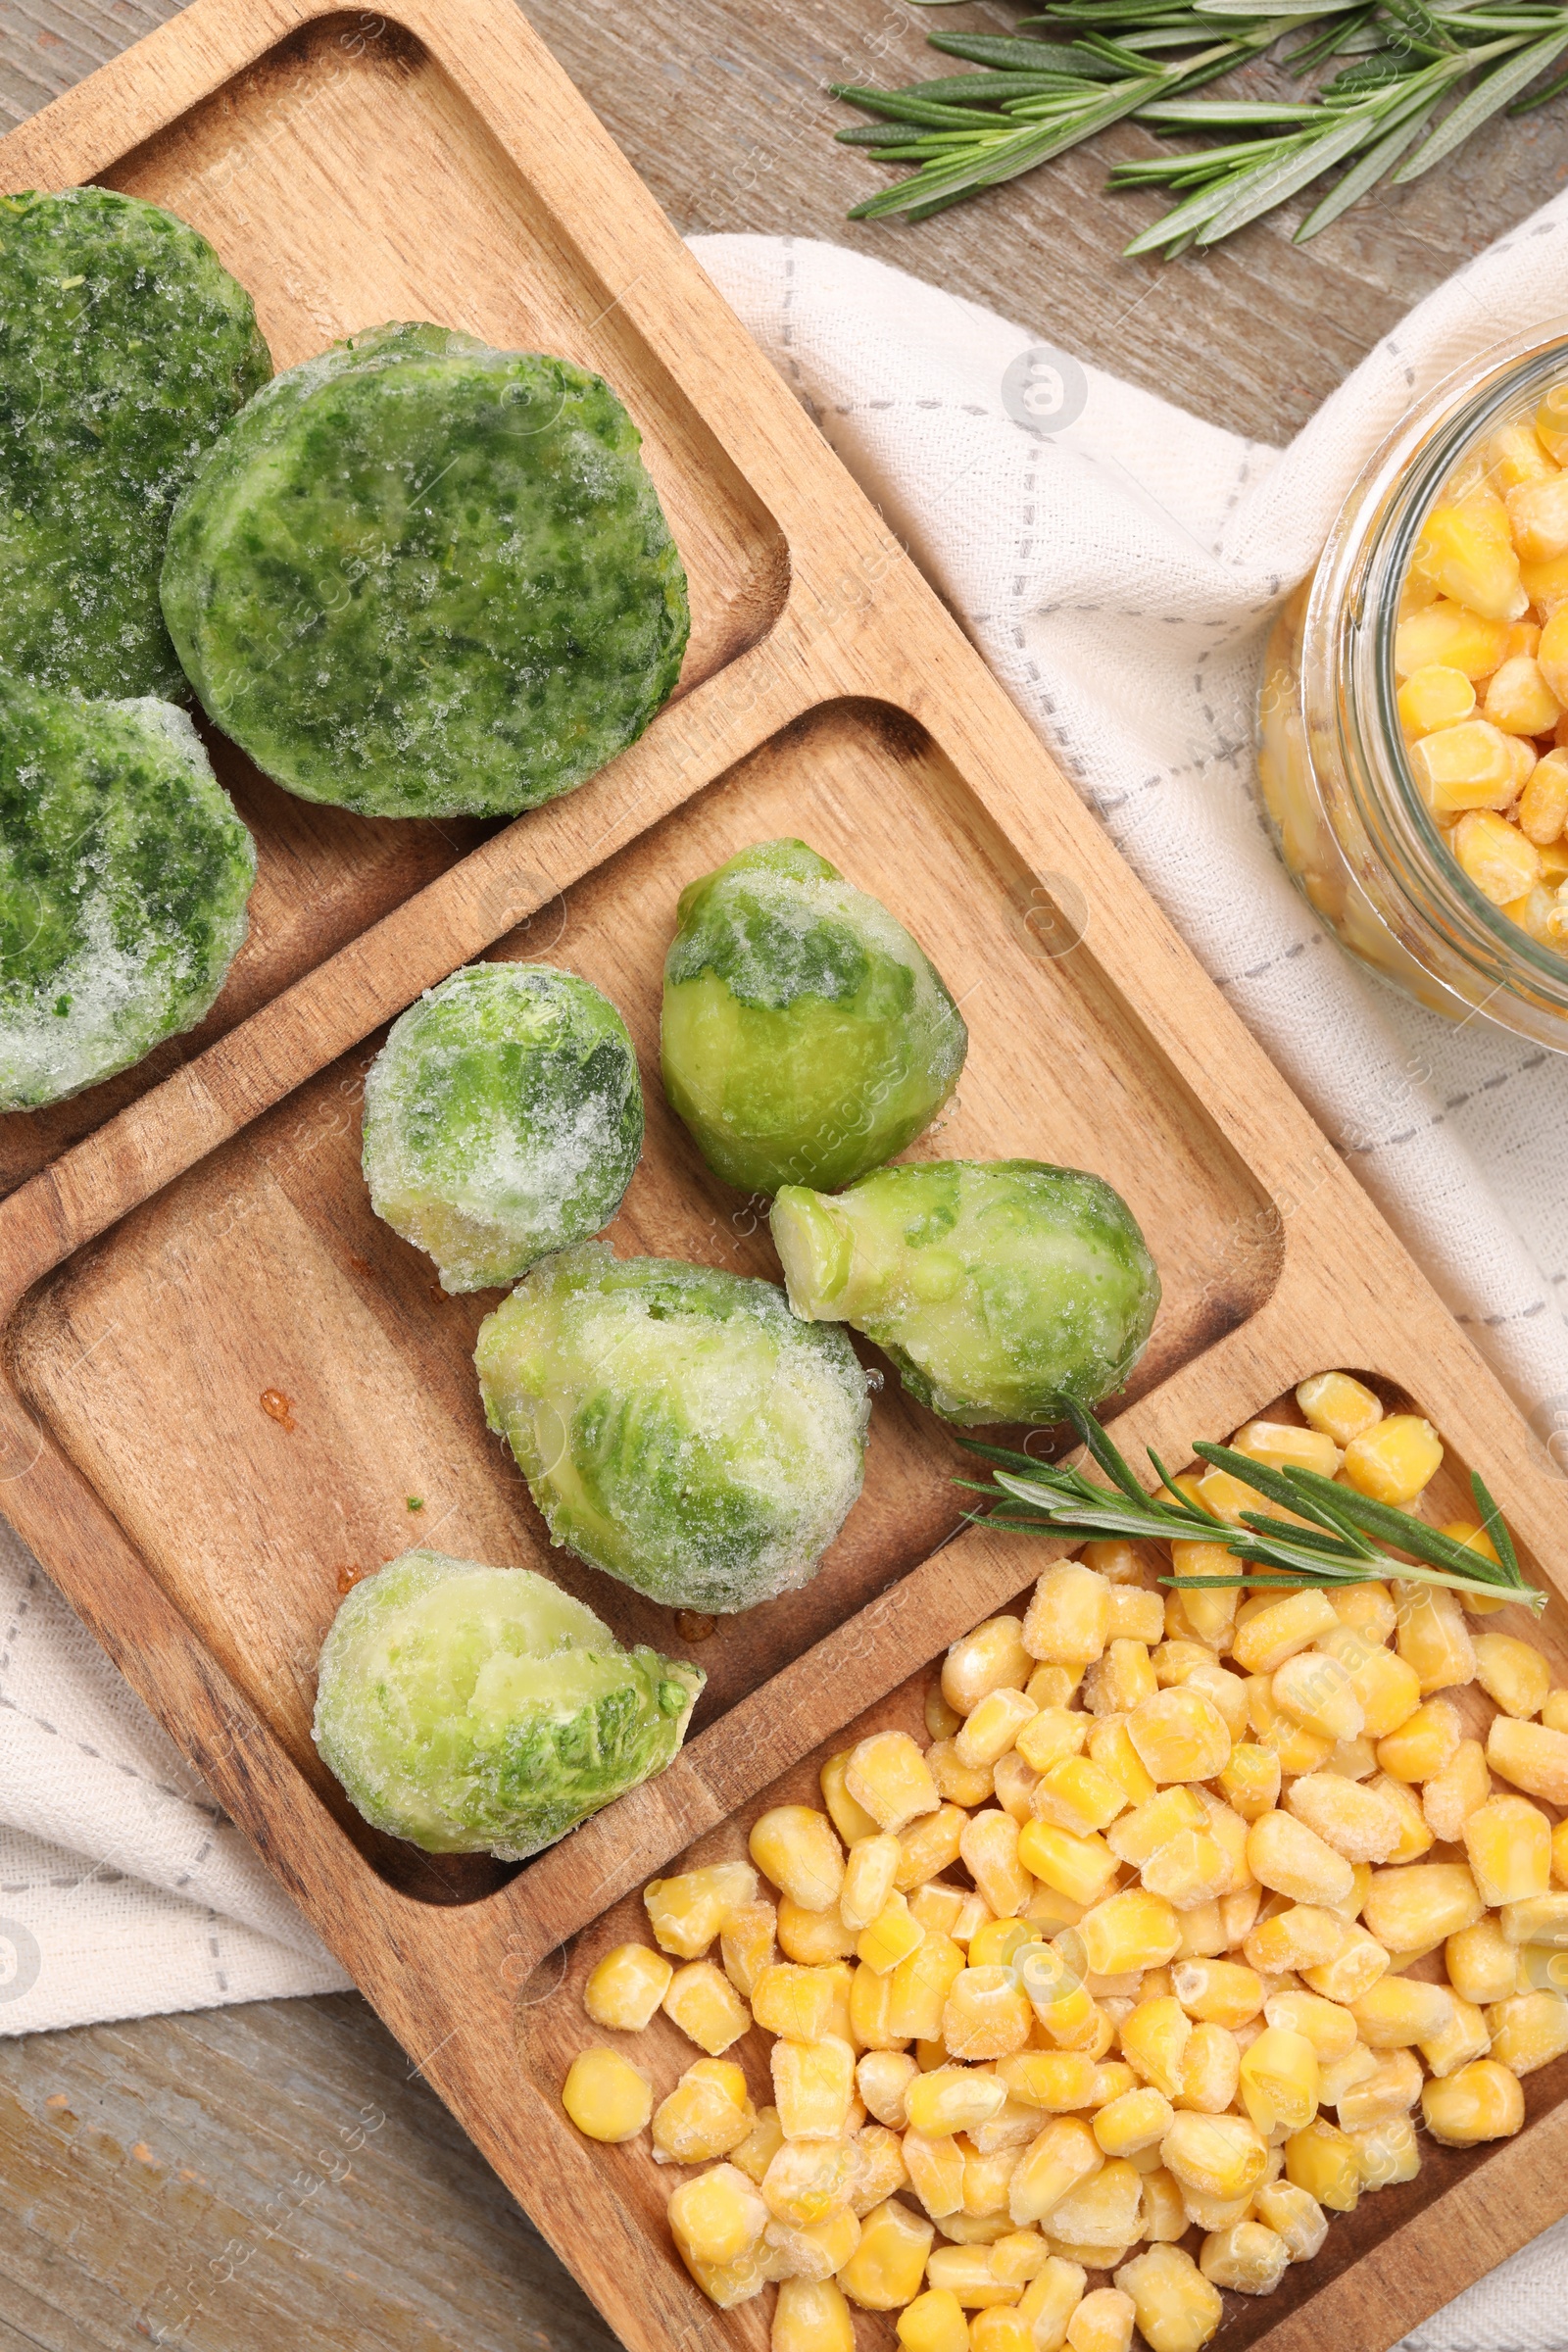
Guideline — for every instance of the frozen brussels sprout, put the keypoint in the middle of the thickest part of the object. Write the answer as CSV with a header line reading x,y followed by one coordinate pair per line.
x,y
806,1038
483,1710
677,1426
998,1287
503,1119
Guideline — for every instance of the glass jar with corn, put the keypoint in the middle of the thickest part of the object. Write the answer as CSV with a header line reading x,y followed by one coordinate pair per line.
x,y
1413,741
1194,1909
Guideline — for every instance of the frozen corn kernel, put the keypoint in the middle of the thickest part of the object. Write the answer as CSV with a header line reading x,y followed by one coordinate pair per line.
x,y
1367,1608
935,2164
1283,1445
1076,1795
1482,2101
1464,769
1115,1558
1068,1619
1210,2070
1018,2256
1465,552
807,2179
1213,2213
1121,1680
1177,2308
1064,2153
816,1939
716,2217
1129,1932
627,1987
728,2284
1136,1615
1249,2257
708,2114
1429,699
1162,2216
1050,2300
763,2142
1318,1692
1304,1936
1051,1734
1532,1757
1335,1402
1451,1797
1424,1744
1298,1749
1359,1822
795,2001
816,2249
868,1874
1518,699
687,1912
606,2097
1543,804
1508,1842
813,2083
1414,1835
1398,2012
1322,2161
1398,1457
1193,1867
1053,1685
1209,1612
1281,1628
1220,1992
965,2271
1528,2029
1103,2321
1483,1966
885,2270
1113,1751
1501,863
929,1846
1013,1785
997,1941
934,2323
1446,633
884,2078
1386,2153
989,1844
941,1720
1179,1735
794,1847
990,1658
1466,2036
1053,2081
1238,1914
918,1989
1250,1779
1515,454
993,1727
1279,2081
1389,2085
1296,2216
1102,2210
888,1777
1203,1933
1080,1868
1290,1859
986,2177
746,1944
812,2316
987,2014
1416,1907
1137,2119
1327,2025
852,1821
957,1783
892,1936
1138,1836
1153,2038
1540,1921
1512,1673
701,1999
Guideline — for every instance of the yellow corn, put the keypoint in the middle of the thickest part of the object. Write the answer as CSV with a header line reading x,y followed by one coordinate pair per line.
x,y
1335,2081
1075,1794
1180,1736
1064,2153
929,1846
993,1727
1068,1619
716,2217
1318,1692
1177,2308
1332,1402
1414,1835
814,2250
879,2168
884,2079
813,2085
1540,1920
687,1912
852,1821
728,2284
1113,1751
1430,698
708,2114
1137,2119
1051,1734
1279,2077
1281,1628
1296,1750
1210,2070
1446,633
763,2142
1414,1908
1322,2160
701,1999
1465,551
1518,699
941,1720
1466,2036
1555,1714
1204,1933
1055,2082
989,1844
1529,2030
1386,2153
1127,1932
606,2097
812,2316
794,1847
1508,1842
795,2001
1136,1615
885,2270
1283,1445
1249,2257
1050,2300
1250,1779
1296,2216
951,2098
892,1936
888,1777
1225,1691
1154,2036
1220,1992
1102,2210
1193,1867
1434,1638
1482,2101
1532,1757
919,1988
1398,2012
1162,2215
940,1909
1451,1797
1103,2321
935,2165
1389,2085
1361,1824
1122,1679
1053,1685
1543,804
816,1939
1327,2025
957,1783
1302,1937
985,2177
1424,1744
994,1945
1284,1856
746,1944
1080,1868
965,2271
1394,1459
1018,2256
869,1876
627,1987
990,1658
934,2323
1483,1966
1358,1965
987,2014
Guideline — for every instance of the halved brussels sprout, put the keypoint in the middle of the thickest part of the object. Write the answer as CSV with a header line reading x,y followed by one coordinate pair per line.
x,y
806,1038
476,1709
503,1120
677,1426
998,1287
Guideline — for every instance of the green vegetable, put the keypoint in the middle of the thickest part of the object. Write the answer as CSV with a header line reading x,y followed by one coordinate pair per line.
x,y
1144,59
806,1036
677,1426
124,876
419,577
124,349
477,1709
503,1119
1001,1289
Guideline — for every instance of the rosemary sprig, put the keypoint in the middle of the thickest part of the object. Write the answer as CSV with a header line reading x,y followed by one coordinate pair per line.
x,y
1335,1548
1084,64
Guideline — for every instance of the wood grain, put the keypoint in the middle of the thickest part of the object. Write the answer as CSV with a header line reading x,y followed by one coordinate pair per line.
x,y
442,165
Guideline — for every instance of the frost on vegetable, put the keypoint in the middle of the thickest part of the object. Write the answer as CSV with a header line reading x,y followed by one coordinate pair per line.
x,y
998,1287
677,1426
503,1120
125,347
477,1709
420,577
124,876
806,1038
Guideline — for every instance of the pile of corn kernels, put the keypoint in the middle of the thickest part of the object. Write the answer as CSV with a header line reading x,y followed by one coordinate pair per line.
x,y
1481,656
1183,1990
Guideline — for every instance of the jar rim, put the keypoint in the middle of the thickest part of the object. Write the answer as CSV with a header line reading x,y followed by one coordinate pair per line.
x,y
1351,618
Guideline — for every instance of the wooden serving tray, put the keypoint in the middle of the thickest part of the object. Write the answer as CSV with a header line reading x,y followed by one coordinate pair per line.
x,y
195,1234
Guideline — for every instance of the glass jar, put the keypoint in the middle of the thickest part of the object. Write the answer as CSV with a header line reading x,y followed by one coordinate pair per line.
x,y
1347,814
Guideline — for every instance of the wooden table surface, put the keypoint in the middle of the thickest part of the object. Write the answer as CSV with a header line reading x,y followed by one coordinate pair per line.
x,y
131,2155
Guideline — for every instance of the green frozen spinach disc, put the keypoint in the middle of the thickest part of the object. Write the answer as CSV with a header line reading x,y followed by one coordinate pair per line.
x,y
419,577
125,347
503,1119
807,1037
124,876
677,1426
477,1709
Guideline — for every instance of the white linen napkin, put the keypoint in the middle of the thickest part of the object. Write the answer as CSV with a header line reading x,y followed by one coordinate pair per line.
x,y
1118,572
